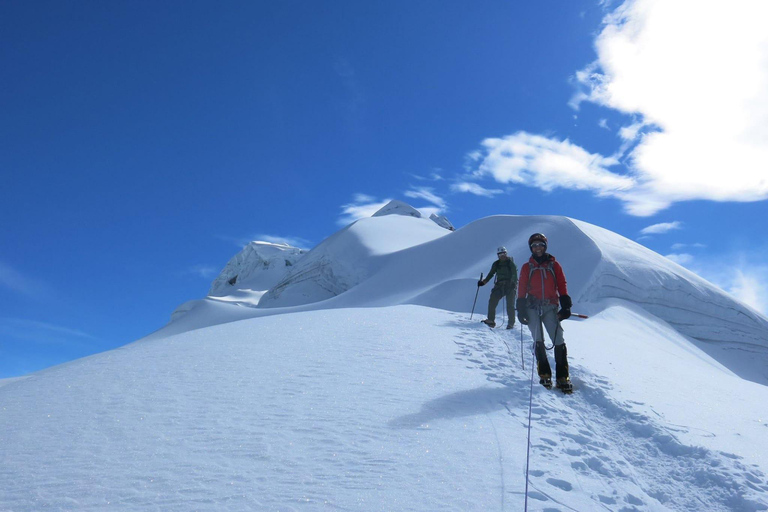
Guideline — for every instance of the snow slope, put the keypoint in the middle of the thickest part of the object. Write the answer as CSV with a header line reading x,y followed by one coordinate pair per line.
x,y
397,408
360,383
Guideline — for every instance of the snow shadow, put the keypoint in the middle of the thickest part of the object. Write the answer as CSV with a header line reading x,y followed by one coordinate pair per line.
x,y
472,402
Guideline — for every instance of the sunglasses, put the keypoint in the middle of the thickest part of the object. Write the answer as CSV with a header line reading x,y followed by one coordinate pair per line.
x,y
538,244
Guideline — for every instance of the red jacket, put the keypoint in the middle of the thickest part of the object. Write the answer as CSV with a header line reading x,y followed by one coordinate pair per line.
x,y
542,281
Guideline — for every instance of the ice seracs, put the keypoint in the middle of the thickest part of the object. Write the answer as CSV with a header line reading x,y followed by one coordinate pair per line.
x,y
256,268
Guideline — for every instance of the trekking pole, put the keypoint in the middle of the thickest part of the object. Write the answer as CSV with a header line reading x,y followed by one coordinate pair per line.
x,y
475,302
522,357
579,316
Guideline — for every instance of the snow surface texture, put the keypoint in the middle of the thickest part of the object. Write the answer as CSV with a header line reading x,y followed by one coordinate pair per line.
x,y
400,408
342,391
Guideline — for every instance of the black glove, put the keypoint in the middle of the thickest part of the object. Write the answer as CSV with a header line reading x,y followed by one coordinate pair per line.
x,y
565,307
563,314
522,310
480,283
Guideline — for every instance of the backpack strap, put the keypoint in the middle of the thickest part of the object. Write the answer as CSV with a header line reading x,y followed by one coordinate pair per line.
x,y
548,267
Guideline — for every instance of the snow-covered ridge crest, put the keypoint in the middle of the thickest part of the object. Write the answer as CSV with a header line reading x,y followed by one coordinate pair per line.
x,y
396,207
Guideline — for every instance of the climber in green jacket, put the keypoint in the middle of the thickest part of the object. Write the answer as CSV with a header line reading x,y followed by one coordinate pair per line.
x,y
505,271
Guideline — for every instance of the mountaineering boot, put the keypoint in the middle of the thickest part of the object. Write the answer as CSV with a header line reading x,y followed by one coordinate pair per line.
x,y
542,363
545,381
564,385
510,326
561,362
489,323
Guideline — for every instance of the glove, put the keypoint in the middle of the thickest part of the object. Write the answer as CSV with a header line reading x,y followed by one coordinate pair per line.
x,y
480,283
522,310
563,314
565,307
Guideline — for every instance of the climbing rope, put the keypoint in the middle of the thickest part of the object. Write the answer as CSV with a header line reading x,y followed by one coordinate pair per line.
x,y
528,453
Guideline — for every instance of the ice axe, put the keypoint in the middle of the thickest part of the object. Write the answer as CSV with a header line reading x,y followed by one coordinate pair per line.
x,y
475,302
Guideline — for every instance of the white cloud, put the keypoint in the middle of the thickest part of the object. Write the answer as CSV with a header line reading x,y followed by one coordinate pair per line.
x,y
700,76
681,259
474,188
538,161
603,123
427,194
427,211
361,207
294,241
748,288
661,228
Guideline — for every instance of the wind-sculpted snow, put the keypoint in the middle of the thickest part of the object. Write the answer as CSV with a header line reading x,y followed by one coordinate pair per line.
x,y
722,326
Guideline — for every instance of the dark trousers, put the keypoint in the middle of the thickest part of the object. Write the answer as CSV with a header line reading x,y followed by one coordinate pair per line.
x,y
501,289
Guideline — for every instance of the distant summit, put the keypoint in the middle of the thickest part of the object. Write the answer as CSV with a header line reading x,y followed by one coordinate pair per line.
x,y
258,267
396,207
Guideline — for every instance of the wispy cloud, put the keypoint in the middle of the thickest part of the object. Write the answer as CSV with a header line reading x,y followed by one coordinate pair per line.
x,y
355,101
680,247
749,288
361,207
204,271
41,332
473,188
661,228
709,107
17,282
428,195
433,176
242,241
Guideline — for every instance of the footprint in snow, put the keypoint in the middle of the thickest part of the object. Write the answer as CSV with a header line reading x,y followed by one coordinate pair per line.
x,y
560,484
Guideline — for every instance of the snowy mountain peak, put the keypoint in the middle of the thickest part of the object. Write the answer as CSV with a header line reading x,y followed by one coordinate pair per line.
x,y
396,207
442,221
258,267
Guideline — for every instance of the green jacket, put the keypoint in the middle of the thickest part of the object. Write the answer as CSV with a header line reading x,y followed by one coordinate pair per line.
x,y
503,270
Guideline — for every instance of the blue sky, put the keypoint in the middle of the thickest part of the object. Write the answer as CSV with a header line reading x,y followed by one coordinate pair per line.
x,y
143,143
